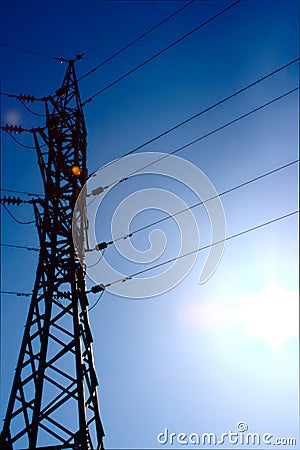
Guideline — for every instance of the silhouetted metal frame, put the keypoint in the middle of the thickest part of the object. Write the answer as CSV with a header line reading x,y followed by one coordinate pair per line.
x,y
53,402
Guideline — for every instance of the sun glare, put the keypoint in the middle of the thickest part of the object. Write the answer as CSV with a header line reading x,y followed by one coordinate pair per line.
x,y
271,315
12,117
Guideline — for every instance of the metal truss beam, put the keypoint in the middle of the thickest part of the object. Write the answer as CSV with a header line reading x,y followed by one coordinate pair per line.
x,y
53,402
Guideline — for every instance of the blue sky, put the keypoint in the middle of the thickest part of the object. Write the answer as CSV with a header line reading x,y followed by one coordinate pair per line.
x,y
187,360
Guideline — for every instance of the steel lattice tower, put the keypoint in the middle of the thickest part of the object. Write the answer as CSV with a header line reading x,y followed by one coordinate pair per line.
x,y
53,402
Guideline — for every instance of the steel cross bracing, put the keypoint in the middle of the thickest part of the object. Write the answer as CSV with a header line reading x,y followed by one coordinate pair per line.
x,y
53,401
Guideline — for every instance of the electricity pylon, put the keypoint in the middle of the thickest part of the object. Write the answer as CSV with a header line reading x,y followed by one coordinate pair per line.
x,y
53,402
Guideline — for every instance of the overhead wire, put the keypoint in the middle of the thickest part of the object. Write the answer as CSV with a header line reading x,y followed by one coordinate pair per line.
x,y
248,230
189,119
173,215
31,111
97,301
192,142
32,52
31,147
151,58
228,238
134,41
23,247
114,55
18,142
239,186
27,294
222,127
100,257
204,136
20,98
205,110
195,205
6,94
14,218
30,194
18,294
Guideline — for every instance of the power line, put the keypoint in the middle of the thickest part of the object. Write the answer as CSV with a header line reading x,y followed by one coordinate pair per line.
x,y
114,55
203,111
97,301
14,218
198,139
189,119
214,105
100,257
151,58
239,186
26,294
18,294
277,219
29,98
233,236
134,41
31,147
175,214
210,133
222,127
30,194
6,94
30,249
31,111
32,52
188,144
